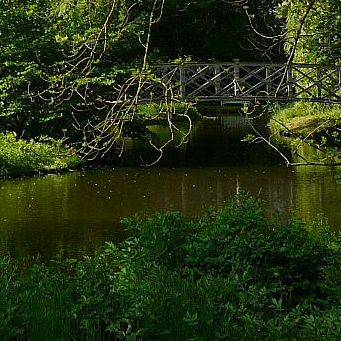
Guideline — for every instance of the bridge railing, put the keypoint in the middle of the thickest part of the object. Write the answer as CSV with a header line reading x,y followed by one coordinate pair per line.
x,y
247,82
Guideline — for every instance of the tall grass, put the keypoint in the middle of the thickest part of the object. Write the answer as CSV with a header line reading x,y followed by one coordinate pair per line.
x,y
304,118
230,274
302,109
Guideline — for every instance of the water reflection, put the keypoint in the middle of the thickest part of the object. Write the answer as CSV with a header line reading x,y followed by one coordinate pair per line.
x,y
78,211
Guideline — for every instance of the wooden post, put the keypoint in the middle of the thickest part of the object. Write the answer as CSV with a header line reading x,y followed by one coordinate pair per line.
x,y
182,80
165,79
217,80
290,82
318,83
236,79
267,82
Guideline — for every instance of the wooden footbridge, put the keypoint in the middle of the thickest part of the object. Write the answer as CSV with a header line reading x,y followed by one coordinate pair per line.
x,y
244,82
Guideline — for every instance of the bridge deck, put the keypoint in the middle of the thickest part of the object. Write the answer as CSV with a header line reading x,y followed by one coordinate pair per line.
x,y
245,82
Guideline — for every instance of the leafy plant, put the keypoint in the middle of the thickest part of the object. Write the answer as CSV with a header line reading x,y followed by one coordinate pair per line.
x,y
21,156
231,274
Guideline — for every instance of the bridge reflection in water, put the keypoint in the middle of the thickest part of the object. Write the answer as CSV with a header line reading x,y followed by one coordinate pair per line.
x,y
79,211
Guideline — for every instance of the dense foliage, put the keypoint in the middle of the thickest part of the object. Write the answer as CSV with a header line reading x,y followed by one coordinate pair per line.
x,y
229,275
58,57
18,156
217,30
316,25
65,65
62,60
313,37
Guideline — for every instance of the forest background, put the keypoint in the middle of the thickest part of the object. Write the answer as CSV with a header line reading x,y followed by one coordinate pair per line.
x,y
65,63
68,72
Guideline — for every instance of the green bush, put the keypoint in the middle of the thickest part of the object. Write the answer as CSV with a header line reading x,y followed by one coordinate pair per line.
x,y
21,156
230,274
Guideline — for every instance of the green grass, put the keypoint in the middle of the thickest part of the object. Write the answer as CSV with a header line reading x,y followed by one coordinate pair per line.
x,y
21,156
230,274
300,109
303,117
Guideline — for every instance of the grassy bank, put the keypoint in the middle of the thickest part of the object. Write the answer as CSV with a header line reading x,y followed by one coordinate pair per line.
x,y
304,118
312,130
18,156
230,274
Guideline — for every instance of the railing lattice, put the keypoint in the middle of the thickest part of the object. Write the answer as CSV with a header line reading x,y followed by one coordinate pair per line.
x,y
243,82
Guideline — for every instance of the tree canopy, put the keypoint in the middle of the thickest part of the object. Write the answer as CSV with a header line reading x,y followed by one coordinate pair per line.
x,y
57,56
217,30
315,26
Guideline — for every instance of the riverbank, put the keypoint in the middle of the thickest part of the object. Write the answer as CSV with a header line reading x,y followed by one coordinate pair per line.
x,y
303,119
18,156
311,130
46,155
230,274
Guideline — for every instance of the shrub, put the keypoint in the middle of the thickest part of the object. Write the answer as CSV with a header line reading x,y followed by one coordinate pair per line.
x,y
21,156
230,274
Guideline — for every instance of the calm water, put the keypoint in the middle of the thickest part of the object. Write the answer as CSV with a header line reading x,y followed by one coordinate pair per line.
x,y
75,213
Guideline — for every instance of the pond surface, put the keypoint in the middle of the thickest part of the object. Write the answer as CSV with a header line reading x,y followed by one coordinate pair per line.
x,y
75,213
